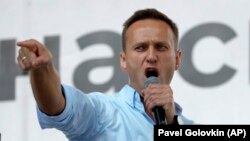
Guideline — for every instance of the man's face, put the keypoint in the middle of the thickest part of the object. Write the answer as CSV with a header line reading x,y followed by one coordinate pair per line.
x,y
150,47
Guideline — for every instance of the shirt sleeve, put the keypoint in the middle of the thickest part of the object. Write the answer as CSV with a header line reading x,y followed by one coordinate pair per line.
x,y
182,120
79,117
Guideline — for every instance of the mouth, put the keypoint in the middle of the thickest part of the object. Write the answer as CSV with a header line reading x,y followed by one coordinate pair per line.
x,y
151,72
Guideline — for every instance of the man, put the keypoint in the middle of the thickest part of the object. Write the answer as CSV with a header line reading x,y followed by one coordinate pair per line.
x,y
150,47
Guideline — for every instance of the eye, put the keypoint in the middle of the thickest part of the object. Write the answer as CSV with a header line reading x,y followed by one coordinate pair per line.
x,y
161,46
140,48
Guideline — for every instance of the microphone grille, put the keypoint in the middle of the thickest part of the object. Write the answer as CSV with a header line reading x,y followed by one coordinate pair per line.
x,y
150,80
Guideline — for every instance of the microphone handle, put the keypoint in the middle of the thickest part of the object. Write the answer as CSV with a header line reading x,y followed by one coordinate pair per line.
x,y
158,111
159,115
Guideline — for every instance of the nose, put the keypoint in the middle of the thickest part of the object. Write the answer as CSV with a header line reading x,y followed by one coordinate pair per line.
x,y
151,56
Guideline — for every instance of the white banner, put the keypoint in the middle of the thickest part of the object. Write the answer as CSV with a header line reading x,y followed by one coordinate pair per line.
x,y
212,87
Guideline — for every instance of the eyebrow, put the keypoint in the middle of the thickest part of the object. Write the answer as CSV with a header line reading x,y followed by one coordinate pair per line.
x,y
154,42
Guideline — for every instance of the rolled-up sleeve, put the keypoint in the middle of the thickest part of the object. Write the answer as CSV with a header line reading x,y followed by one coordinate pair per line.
x,y
78,117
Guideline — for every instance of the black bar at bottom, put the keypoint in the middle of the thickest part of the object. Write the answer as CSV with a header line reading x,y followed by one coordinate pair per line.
x,y
222,132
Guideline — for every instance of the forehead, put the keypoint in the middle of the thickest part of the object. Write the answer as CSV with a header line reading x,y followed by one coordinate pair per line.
x,y
149,29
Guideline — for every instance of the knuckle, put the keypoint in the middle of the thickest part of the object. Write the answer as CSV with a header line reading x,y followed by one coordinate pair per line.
x,y
19,51
32,40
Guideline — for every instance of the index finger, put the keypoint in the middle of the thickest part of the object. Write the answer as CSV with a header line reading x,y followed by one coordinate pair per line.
x,y
31,44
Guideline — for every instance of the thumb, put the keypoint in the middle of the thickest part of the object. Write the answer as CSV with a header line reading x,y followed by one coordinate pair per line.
x,y
41,61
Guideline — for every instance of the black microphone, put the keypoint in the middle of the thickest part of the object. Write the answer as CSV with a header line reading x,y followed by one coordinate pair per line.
x,y
158,111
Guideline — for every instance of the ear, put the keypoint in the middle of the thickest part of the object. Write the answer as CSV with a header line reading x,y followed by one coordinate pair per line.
x,y
177,59
123,63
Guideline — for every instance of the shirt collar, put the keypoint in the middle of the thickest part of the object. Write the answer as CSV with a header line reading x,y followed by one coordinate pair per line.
x,y
132,98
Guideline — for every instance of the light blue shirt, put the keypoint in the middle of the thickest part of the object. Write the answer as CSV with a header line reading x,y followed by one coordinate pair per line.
x,y
102,117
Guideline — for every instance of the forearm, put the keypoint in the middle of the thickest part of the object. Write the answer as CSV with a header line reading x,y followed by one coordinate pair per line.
x,y
46,88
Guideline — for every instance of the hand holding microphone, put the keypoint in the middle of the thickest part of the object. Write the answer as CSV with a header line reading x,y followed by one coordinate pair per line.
x,y
158,98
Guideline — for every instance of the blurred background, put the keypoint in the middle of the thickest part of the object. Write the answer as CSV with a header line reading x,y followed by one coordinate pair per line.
x,y
212,85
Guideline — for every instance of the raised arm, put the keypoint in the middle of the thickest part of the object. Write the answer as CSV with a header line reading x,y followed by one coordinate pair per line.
x,y
35,58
